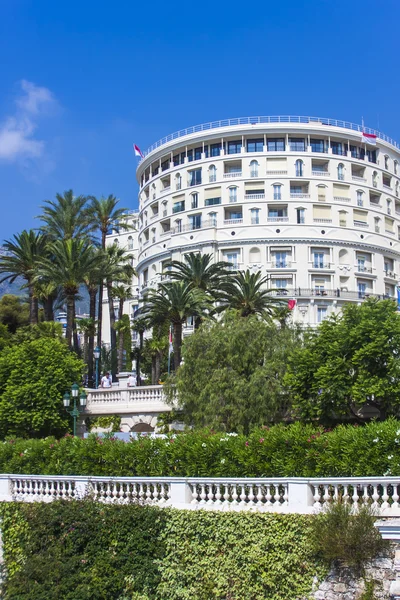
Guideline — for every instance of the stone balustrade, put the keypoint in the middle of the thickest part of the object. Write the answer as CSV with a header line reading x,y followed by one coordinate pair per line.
x,y
122,399
284,495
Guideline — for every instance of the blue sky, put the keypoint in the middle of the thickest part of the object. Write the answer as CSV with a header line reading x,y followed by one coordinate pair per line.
x,y
81,81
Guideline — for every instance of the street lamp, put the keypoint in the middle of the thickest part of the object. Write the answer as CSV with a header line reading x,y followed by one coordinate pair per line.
x,y
97,352
76,410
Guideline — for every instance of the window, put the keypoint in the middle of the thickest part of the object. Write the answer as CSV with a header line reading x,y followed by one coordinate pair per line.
x,y
233,194
255,145
361,264
178,228
213,219
212,173
280,260
277,212
317,145
395,165
360,201
195,200
116,242
205,151
212,201
234,147
233,258
321,313
178,181
375,179
255,216
337,148
386,162
388,204
277,192
340,172
280,283
357,152
215,149
155,170
178,206
318,260
197,153
276,144
165,165
130,243
299,168
179,159
195,221
296,144
371,156
301,216
190,155
396,189
362,288
254,168
194,177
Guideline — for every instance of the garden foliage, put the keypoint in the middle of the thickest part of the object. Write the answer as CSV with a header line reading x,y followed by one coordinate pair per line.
x,y
90,551
282,451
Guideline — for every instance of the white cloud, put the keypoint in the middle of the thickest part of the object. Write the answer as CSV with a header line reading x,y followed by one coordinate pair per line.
x,y
17,131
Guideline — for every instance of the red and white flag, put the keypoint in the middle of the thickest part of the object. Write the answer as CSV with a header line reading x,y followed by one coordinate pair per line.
x,y
137,151
291,304
170,347
368,138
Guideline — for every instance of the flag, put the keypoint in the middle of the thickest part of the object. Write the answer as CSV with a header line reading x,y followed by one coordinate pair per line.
x,y
137,151
368,138
291,304
170,347
398,298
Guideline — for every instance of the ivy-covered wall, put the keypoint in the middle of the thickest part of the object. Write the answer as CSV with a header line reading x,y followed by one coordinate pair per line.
x,y
84,550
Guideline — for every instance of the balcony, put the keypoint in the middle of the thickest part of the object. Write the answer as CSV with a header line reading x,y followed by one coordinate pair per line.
x,y
390,274
191,227
358,178
316,220
299,195
254,196
281,264
278,219
233,175
178,207
164,233
321,265
341,199
360,224
320,173
233,221
255,221
154,216
146,242
328,293
164,212
276,172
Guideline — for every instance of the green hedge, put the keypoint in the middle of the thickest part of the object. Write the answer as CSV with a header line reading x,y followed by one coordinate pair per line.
x,y
81,550
281,451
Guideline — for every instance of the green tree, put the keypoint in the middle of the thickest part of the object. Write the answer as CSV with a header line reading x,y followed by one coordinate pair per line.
x,y
14,312
200,271
140,325
232,376
33,377
5,337
70,261
349,363
124,343
155,352
45,329
105,216
65,217
21,260
244,292
173,303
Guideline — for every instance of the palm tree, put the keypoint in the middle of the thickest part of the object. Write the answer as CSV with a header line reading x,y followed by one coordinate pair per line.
x,y
140,325
123,292
155,348
173,303
65,217
105,216
21,260
87,327
200,272
123,327
244,292
70,262
91,281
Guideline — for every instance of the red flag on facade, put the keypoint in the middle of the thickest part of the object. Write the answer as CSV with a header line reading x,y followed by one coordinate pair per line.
x,y
291,304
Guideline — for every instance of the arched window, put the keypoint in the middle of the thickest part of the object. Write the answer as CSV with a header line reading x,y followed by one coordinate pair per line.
x,y
360,198
213,219
299,168
233,194
340,171
195,200
375,179
254,168
130,243
178,181
277,191
389,204
396,189
386,162
255,255
395,165
212,173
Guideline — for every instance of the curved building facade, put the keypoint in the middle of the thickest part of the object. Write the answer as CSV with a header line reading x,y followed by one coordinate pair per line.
x,y
312,203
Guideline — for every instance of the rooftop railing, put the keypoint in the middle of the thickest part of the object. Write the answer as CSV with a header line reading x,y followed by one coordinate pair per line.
x,y
268,120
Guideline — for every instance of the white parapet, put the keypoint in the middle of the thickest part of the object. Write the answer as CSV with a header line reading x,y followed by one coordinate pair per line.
x,y
124,400
283,495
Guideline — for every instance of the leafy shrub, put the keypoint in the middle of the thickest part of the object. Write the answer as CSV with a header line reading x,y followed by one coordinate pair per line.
x,y
282,451
341,533
86,550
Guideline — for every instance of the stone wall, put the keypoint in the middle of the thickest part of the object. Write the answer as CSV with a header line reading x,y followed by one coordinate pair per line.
x,y
342,584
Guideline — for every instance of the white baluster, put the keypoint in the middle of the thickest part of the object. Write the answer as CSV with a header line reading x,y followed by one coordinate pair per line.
x,y
251,497
385,497
243,496
375,497
218,494
226,504
268,496
260,497
148,493
194,494
234,503
319,495
395,497
285,496
355,496
141,493
203,494
115,493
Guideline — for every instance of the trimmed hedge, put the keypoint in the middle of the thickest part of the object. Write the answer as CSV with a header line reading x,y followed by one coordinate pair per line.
x,y
84,550
296,450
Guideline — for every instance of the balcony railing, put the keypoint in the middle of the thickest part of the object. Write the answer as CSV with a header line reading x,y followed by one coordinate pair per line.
x,y
299,195
277,172
233,221
281,264
341,199
358,178
321,265
328,293
254,196
234,174
278,219
360,224
255,221
322,220
191,227
164,233
254,174
390,274
320,173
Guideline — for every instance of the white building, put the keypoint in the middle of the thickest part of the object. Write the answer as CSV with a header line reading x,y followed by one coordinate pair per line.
x,y
305,200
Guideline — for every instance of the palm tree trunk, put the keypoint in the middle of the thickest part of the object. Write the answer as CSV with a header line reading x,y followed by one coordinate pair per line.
x,y
100,300
120,308
92,315
74,329
33,307
177,343
70,319
138,359
158,367
113,333
48,308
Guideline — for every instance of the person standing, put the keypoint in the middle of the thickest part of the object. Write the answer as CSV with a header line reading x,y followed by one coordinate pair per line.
x,y
106,381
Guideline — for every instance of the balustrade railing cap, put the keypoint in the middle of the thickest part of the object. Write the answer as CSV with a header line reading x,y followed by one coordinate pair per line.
x,y
268,120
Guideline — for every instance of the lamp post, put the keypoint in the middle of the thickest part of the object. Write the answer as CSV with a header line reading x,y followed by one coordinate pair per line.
x,y
76,410
97,352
